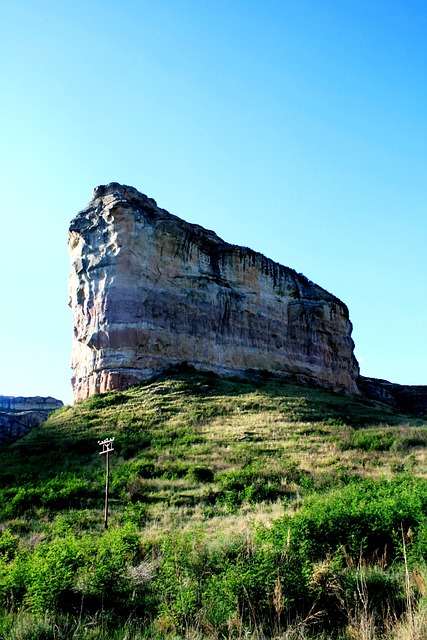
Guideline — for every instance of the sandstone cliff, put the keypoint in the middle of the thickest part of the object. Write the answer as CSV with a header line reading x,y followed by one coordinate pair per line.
x,y
34,403
19,414
405,398
149,291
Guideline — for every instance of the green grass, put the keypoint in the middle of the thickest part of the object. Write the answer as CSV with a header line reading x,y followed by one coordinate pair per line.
x,y
224,495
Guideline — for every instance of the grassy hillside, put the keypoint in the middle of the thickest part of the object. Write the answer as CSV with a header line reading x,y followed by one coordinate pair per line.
x,y
237,510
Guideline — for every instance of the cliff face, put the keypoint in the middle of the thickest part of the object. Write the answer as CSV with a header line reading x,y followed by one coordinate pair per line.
x,y
149,291
406,398
35,403
19,414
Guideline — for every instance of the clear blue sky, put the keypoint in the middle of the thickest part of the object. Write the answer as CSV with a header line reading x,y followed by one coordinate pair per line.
x,y
295,127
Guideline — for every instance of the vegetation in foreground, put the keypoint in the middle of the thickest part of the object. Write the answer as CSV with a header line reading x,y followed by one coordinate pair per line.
x,y
253,510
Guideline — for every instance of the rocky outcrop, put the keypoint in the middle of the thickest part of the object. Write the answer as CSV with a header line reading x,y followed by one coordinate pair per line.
x,y
149,291
405,398
19,414
36,403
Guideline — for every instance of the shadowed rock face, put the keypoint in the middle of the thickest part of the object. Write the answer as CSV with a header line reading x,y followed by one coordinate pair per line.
x,y
406,398
150,291
19,414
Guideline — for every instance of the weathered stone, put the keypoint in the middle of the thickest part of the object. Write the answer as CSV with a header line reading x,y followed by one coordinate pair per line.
x,y
149,291
35,403
19,414
406,398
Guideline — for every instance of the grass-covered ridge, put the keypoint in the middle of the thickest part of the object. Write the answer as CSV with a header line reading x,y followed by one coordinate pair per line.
x,y
237,509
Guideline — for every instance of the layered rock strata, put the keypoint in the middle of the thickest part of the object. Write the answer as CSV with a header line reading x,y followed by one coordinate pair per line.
x,y
34,403
405,398
19,414
149,291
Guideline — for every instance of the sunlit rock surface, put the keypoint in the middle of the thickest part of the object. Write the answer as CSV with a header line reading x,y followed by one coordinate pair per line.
x,y
149,291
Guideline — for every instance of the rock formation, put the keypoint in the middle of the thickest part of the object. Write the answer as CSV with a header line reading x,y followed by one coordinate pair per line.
x,y
404,398
19,414
149,291
36,403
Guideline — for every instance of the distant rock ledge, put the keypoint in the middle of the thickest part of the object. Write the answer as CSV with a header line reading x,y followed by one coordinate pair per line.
x,y
404,398
19,414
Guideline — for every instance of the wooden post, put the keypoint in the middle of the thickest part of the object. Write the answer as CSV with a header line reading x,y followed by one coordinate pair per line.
x,y
107,484
107,448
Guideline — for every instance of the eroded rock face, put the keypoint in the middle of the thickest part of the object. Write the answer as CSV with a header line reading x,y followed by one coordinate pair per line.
x,y
19,414
149,291
33,403
410,399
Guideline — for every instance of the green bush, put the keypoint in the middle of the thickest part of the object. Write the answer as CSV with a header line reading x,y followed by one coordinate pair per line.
x,y
248,485
368,441
26,498
104,578
178,581
200,474
217,581
148,470
65,569
63,491
50,572
221,595
8,545
367,517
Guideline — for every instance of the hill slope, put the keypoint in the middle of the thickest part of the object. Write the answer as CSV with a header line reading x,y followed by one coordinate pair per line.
x,y
204,472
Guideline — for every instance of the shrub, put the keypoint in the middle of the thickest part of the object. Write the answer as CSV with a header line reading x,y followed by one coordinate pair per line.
x,y
104,579
365,517
381,588
213,582
181,570
63,490
137,489
368,441
200,474
61,573
25,499
50,572
249,484
8,545
221,595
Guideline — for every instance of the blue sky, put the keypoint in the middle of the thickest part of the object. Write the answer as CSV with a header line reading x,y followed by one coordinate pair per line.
x,y
295,127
